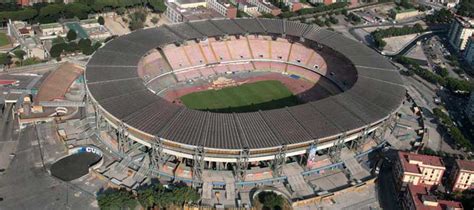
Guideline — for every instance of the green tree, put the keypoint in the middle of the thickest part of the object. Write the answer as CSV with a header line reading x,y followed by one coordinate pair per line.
x,y
84,43
154,20
71,35
5,59
20,54
116,199
184,194
157,5
271,200
120,11
78,10
57,50
101,20
24,14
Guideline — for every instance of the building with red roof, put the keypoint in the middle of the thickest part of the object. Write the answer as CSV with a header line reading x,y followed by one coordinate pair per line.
x,y
418,197
417,169
462,175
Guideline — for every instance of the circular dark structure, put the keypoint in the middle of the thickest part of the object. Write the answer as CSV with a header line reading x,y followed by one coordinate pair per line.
x,y
124,100
74,166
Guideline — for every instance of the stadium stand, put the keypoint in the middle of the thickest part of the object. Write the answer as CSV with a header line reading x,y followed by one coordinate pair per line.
x,y
372,87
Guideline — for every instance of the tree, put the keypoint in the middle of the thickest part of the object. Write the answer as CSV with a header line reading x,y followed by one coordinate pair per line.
x,y
78,10
116,199
154,20
184,194
120,11
101,20
20,54
57,50
136,20
5,59
157,5
24,14
71,35
71,47
271,200
84,43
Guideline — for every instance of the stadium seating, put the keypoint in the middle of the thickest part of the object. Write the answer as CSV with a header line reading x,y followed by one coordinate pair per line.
x,y
176,57
239,48
152,65
221,51
194,54
299,54
201,59
260,47
207,50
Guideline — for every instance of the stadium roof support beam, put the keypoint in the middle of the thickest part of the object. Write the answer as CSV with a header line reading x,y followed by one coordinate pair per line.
x,y
122,136
156,153
335,151
360,140
198,165
379,134
242,164
279,161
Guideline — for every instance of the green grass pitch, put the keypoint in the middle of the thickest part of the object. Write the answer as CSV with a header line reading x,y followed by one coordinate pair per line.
x,y
262,95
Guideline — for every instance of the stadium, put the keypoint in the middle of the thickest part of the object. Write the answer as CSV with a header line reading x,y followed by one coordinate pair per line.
x,y
340,93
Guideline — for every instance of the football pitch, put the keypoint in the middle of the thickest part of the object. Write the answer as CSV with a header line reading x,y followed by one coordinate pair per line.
x,y
262,95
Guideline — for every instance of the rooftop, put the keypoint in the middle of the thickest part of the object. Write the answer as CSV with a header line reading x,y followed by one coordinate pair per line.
x,y
423,200
50,25
465,21
410,161
465,165
58,82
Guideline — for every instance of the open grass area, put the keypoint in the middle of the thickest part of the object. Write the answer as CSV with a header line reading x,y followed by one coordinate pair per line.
x,y
256,96
4,39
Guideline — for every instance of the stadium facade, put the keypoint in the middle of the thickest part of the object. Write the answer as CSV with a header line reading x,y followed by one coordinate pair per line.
x,y
138,117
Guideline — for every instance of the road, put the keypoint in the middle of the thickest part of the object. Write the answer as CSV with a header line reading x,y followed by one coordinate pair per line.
x,y
26,184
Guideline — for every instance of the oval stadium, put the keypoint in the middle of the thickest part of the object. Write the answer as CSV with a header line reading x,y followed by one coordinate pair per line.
x,y
238,95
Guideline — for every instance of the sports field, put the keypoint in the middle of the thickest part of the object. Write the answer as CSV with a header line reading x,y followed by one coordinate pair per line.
x,y
256,96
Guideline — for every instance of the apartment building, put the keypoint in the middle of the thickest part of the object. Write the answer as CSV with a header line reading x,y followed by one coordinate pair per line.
x,y
417,169
462,175
266,7
418,197
187,10
459,32
223,7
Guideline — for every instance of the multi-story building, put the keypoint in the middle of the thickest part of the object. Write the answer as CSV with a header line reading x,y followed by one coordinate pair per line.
x,y
417,169
248,8
186,10
459,32
462,175
266,7
418,197
469,51
294,5
223,7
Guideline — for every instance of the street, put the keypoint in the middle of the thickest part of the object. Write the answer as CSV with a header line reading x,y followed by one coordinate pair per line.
x,y
26,183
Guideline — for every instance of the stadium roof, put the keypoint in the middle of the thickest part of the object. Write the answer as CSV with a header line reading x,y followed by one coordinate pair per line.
x,y
113,82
